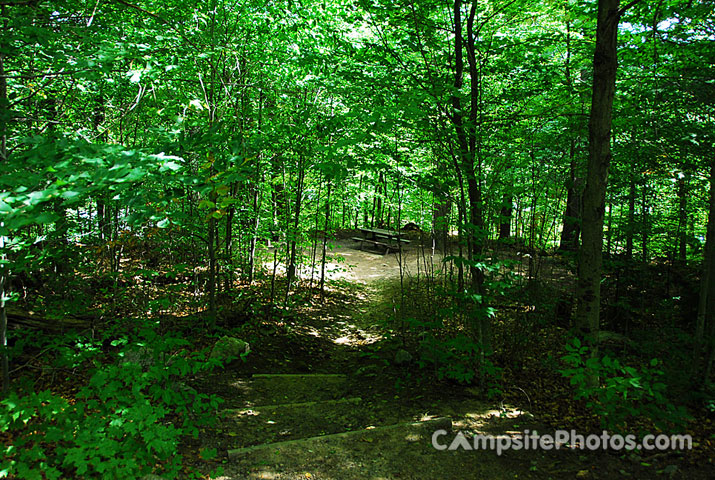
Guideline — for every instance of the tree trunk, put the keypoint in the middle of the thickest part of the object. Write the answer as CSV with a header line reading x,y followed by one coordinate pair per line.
x,y
316,234
571,228
609,230
440,219
359,204
325,241
228,240
4,274
505,217
682,218
706,305
631,219
605,62
290,275
3,320
466,133
257,199
462,219
256,224
212,266
644,222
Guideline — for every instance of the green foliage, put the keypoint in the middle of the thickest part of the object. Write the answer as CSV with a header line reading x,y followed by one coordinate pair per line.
x,y
455,357
127,418
623,394
710,405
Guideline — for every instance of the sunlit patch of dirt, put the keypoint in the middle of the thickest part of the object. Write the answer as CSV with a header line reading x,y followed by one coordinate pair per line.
x,y
347,261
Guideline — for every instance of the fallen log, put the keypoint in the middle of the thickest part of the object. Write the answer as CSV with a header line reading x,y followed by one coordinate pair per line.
x,y
20,319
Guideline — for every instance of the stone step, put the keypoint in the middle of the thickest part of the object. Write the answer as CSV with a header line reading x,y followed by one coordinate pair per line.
x,y
275,389
275,423
297,388
324,445
240,411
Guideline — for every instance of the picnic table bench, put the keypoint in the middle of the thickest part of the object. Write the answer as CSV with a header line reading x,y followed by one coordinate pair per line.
x,y
380,238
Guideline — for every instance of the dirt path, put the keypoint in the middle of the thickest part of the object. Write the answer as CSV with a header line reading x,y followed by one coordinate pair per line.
x,y
346,261
321,397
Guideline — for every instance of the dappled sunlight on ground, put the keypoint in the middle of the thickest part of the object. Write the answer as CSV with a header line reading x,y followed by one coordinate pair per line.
x,y
348,262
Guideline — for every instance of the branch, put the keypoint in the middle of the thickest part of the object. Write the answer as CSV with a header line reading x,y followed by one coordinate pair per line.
x,y
140,9
46,75
493,15
18,3
621,11
159,19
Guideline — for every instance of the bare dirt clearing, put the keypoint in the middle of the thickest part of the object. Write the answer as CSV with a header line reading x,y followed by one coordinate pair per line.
x,y
347,261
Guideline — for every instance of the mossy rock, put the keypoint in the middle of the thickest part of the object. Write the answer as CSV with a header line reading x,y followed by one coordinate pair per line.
x,y
229,347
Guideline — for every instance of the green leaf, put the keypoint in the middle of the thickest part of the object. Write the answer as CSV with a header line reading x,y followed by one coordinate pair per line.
x,y
208,453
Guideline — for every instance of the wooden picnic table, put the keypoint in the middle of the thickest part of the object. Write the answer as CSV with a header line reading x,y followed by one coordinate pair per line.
x,y
378,237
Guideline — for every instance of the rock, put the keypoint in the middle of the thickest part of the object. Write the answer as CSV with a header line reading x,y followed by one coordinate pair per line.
x,y
229,347
143,356
402,357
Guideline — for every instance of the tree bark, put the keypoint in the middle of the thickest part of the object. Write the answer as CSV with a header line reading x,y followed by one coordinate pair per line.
x,y
293,241
212,263
609,229
3,317
4,273
682,218
644,222
325,241
571,228
440,219
706,305
605,62
257,196
228,240
631,219
466,133
505,217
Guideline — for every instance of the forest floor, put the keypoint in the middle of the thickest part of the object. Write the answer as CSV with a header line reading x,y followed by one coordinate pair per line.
x,y
321,397
346,261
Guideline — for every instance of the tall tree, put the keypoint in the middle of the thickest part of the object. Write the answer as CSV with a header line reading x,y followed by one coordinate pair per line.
x,y
705,326
4,117
605,64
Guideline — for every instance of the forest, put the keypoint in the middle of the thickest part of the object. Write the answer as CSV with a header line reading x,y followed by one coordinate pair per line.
x,y
346,239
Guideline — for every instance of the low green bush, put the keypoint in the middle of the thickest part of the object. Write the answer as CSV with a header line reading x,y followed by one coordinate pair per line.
x,y
622,393
123,423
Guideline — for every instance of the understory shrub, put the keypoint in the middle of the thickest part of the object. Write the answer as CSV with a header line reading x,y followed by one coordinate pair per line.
x,y
623,393
453,355
127,419
461,359
442,325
